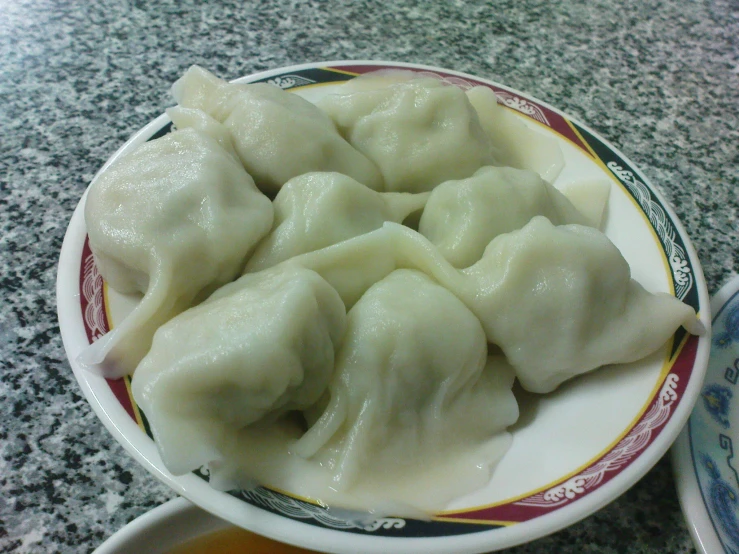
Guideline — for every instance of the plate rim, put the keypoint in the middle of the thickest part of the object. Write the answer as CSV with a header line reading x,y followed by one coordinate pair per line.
x,y
471,543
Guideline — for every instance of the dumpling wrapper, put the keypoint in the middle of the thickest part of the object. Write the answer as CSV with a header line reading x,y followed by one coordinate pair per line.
x,y
462,217
515,144
277,134
558,300
316,210
381,78
412,386
191,118
175,219
257,348
418,132
590,197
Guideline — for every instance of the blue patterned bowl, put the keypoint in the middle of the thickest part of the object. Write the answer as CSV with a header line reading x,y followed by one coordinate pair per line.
x,y
703,457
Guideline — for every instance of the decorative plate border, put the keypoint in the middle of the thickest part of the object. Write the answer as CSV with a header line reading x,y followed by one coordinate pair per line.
x,y
598,473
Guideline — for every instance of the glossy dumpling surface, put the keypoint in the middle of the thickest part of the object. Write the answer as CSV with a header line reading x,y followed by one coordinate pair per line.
x,y
277,134
319,209
257,348
462,217
411,385
174,219
419,132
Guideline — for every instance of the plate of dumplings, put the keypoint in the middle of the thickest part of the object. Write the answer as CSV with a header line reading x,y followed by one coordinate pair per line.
x,y
374,307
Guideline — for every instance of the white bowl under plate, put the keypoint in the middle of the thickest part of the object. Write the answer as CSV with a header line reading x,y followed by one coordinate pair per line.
x,y
161,529
703,455
574,450
179,522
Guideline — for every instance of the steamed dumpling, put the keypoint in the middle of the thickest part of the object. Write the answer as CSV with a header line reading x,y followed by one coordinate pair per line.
x,y
515,144
419,132
277,134
174,219
558,300
462,217
257,348
410,371
320,209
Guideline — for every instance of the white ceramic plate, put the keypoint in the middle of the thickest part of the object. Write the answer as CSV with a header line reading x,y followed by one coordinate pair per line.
x,y
574,450
703,456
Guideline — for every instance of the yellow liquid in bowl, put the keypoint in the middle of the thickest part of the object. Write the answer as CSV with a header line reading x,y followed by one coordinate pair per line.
x,y
236,541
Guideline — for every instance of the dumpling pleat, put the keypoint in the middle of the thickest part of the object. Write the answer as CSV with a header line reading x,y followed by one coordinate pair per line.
x,y
324,428
115,353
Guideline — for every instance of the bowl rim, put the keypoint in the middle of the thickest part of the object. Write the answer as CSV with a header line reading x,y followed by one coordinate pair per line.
x,y
152,530
700,521
307,536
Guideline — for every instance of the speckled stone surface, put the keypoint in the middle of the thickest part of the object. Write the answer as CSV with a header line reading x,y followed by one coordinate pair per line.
x,y
660,79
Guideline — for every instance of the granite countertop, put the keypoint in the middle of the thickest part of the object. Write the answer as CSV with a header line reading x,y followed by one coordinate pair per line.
x,y
659,79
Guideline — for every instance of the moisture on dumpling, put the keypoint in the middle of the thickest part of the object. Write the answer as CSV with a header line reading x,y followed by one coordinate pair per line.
x,y
277,134
174,219
412,386
462,217
257,348
514,143
558,300
419,132
316,210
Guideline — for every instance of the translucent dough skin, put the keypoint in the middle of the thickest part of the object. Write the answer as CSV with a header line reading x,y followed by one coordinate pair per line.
x,y
378,79
277,135
175,219
258,347
409,373
319,209
558,300
462,217
419,133
514,144
590,197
